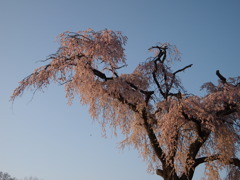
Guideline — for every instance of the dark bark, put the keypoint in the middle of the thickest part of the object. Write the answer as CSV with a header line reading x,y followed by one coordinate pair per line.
x,y
153,139
223,79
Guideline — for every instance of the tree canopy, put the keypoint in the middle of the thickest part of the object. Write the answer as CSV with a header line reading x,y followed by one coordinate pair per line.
x,y
6,176
173,131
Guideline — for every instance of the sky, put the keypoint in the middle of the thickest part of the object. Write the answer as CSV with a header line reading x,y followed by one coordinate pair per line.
x,y
41,135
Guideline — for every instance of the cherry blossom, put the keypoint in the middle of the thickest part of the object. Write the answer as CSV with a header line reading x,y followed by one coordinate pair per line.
x,y
173,132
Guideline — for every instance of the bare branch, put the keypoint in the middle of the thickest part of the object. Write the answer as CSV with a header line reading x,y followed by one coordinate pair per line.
x,y
223,79
162,53
155,79
180,70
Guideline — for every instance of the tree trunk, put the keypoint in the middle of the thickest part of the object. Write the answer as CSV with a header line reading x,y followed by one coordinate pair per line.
x,y
170,174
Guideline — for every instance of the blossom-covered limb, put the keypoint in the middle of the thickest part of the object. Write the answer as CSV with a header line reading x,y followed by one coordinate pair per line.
x,y
194,149
228,109
231,161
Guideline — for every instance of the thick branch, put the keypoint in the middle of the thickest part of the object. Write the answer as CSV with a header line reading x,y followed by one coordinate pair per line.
x,y
146,93
153,139
229,109
101,75
105,78
231,161
195,146
160,172
223,79
197,123
120,98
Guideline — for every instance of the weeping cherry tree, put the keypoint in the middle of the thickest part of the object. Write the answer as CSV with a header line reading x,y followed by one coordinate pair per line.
x,y
173,131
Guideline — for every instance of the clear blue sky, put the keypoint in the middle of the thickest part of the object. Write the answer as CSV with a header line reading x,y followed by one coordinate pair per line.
x,y
51,140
